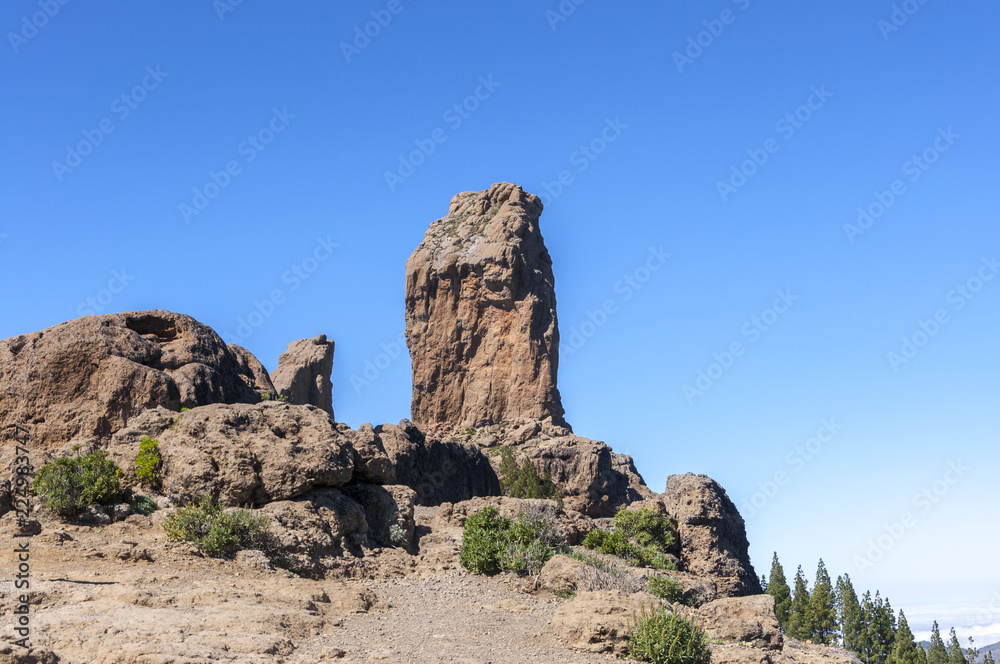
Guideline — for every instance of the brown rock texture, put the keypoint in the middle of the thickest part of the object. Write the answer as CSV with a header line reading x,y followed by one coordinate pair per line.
x,y
242,453
481,314
748,620
592,478
438,470
251,371
712,533
87,378
303,373
598,621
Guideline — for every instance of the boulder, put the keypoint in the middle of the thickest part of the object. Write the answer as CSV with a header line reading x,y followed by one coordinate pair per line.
x,y
599,621
712,533
87,378
252,372
438,470
562,574
371,463
746,620
385,507
481,314
241,453
303,373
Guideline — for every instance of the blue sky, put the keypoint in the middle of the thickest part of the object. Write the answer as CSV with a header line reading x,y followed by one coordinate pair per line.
x,y
206,158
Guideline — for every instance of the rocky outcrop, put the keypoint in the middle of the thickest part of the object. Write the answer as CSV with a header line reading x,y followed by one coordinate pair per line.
x,y
746,620
252,372
592,479
438,470
311,534
87,378
241,453
598,621
303,373
481,314
371,463
712,533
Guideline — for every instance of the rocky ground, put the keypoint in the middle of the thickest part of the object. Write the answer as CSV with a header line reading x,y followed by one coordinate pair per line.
x,y
122,594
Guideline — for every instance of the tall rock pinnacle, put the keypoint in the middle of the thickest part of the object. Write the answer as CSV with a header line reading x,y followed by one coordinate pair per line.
x,y
481,314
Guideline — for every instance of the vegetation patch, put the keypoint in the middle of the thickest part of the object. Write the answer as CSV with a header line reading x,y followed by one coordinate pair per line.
x,y
214,530
522,480
663,637
640,537
666,589
492,543
148,462
69,485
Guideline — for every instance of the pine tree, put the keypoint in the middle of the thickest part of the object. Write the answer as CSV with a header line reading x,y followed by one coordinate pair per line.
x,y
972,652
955,653
988,658
850,612
799,624
823,607
878,630
937,653
777,587
905,650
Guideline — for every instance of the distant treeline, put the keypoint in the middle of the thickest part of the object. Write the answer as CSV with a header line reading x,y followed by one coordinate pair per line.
x,y
869,627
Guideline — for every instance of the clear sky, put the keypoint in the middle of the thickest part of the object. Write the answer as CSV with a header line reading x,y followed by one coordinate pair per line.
x,y
206,158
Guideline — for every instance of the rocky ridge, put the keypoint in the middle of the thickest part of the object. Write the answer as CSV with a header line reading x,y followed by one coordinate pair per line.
x,y
361,558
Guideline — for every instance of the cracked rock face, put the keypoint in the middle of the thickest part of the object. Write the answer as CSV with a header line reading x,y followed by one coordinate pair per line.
x,y
481,314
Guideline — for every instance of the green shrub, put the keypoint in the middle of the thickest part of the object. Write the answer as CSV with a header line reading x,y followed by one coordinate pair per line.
x,y
492,543
271,395
663,637
142,505
69,485
667,589
213,530
523,481
397,536
640,537
148,461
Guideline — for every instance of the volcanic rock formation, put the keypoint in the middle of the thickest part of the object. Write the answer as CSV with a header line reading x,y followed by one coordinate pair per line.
x,y
303,373
481,314
88,377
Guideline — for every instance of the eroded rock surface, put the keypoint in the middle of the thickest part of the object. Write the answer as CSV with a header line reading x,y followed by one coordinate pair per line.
x,y
241,453
303,373
712,533
87,378
481,314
